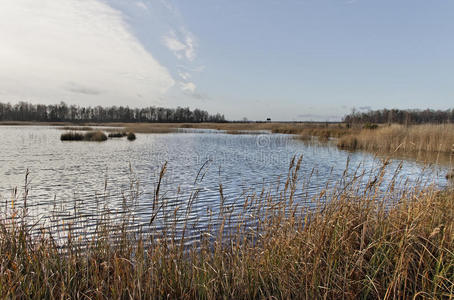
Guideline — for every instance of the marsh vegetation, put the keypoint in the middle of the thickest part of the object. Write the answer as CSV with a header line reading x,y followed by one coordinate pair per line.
x,y
355,241
117,134
368,235
90,136
415,138
131,136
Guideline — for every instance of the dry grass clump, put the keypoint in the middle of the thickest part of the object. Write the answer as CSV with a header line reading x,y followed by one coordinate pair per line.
x,y
416,138
72,136
131,136
91,136
117,134
95,136
354,242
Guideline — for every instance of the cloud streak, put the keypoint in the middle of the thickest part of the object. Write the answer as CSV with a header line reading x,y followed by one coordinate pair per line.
x,y
183,46
78,51
188,87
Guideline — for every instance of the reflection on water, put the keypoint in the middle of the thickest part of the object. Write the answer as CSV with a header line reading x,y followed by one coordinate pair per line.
x,y
87,178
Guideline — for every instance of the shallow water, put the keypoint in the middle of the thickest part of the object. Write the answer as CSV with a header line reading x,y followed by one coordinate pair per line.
x,y
82,180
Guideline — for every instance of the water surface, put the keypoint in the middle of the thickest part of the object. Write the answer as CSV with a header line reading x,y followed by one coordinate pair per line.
x,y
85,179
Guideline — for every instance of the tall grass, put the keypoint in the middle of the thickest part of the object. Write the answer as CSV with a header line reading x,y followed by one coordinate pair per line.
x,y
95,136
354,241
91,136
416,138
131,136
117,134
72,136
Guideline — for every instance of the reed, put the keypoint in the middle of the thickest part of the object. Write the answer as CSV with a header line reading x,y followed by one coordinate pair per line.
x,y
350,242
416,138
131,136
95,136
72,136
117,134
450,174
91,136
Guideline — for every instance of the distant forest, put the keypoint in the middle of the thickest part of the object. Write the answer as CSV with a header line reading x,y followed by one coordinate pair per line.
x,y
62,112
401,116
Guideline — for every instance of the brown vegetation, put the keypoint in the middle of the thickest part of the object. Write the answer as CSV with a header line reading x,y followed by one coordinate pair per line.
x,y
91,136
72,136
117,134
95,136
351,243
131,136
323,130
450,174
416,138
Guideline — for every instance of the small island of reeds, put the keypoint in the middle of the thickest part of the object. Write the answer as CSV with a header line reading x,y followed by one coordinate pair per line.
x,y
131,136
91,136
117,134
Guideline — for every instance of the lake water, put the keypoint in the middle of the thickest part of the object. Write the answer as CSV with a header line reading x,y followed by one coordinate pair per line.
x,y
83,179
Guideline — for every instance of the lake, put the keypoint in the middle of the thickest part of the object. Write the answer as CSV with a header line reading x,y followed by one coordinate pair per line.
x,y
82,180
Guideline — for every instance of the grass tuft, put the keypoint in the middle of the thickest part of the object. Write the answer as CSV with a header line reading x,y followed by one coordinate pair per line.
x,y
95,136
117,134
71,136
131,136
91,136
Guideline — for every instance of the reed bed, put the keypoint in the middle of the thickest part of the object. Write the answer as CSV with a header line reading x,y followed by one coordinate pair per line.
x,y
117,134
95,136
91,136
416,138
131,136
319,130
72,136
354,241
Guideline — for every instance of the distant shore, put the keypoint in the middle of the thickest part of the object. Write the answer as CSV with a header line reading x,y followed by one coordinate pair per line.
x,y
377,138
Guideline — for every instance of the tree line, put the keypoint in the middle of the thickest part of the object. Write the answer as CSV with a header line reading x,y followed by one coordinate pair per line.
x,y
24,111
411,116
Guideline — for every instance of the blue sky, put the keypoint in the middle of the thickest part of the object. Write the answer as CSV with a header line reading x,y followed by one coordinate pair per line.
x,y
288,60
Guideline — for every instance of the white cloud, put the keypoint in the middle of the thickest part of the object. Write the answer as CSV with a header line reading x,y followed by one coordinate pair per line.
x,y
175,46
183,47
79,51
188,87
184,75
141,5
